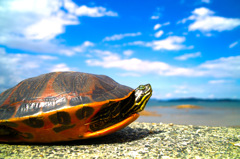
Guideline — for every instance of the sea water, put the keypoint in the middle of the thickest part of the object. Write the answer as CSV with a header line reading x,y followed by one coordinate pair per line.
x,y
211,113
210,104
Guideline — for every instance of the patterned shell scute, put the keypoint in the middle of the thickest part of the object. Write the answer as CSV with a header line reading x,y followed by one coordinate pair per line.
x,y
52,91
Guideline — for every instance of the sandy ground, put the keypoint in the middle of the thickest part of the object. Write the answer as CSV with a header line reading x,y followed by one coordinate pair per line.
x,y
139,140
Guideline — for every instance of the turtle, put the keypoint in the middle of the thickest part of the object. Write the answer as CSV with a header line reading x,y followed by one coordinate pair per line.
x,y
65,106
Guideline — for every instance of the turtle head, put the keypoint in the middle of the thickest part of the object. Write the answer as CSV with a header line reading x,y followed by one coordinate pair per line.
x,y
142,95
123,111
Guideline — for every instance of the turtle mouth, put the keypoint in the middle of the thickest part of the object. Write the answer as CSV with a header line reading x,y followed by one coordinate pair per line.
x,y
113,113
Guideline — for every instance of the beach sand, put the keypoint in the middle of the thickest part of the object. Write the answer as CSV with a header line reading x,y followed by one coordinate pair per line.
x,y
191,115
139,140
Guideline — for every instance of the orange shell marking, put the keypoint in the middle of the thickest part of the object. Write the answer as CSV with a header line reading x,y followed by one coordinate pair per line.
x,y
30,111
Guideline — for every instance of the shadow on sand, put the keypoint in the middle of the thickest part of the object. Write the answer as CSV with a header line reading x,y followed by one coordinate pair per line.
x,y
125,135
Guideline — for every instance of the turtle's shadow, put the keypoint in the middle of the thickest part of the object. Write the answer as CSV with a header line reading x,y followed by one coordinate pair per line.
x,y
125,135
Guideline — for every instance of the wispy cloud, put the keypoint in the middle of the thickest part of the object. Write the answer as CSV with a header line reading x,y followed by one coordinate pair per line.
x,y
140,43
121,36
233,44
16,67
157,14
94,11
187,56
223,67
42,46
155,17
220,81
69,51
159,33
128,52
205,21
182,89
157,26
108,59
170,43
206,1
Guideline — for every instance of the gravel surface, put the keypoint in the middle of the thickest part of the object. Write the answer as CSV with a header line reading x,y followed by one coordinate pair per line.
x,y
140,140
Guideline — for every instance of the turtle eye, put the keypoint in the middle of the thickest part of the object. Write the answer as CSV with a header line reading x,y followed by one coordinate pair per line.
x,y
141,87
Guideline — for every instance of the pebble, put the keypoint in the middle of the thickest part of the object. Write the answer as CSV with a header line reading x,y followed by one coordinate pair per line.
x,y
140,140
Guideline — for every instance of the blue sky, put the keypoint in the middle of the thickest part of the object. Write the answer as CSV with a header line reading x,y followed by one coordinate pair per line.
x,y
182,48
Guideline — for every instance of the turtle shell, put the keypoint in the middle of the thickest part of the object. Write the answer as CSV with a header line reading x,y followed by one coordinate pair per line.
x,y
62,106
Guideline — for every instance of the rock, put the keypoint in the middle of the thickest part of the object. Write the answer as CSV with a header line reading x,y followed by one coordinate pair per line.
x,y
188,106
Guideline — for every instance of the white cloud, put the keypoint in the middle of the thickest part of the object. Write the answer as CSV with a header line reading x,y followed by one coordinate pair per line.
x,y
205,21
155,17
141,43
220,81
170,43
128,52
47,28
77,49
34,19
70,6
33,25
233,44
82,47
16,67
201,12
167,23
84,10
157,26
94,12
168,95
121,36
158,34
182,89
223,67
113,60
43,46
206,1
60,67
186,90
187,56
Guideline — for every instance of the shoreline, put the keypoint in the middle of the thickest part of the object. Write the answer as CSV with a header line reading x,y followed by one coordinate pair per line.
x,y
140,140
191,115
184,106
